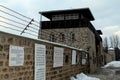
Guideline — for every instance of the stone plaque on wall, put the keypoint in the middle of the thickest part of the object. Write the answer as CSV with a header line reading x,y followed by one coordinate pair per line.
x,y
40,62
58,57
73,57
83,61
16,55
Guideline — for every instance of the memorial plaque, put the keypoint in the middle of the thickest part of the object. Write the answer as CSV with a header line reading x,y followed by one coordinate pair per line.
x,y
16,56
40,62
58,57
83,61
73,57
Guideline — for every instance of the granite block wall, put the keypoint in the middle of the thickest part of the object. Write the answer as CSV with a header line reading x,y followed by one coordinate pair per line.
x,y
26,71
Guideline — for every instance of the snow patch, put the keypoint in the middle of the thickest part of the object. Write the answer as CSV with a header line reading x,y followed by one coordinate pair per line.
x,y
82,76
111,49
115,64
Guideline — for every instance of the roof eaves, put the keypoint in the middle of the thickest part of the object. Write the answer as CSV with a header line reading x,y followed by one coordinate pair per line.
x,y
47,13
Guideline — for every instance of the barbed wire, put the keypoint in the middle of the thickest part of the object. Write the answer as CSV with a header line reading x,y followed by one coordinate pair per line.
x,y
17,22
10,22
18,17
58,32
46,33
9,28
18,13
16,30
14,16
16,26
34,25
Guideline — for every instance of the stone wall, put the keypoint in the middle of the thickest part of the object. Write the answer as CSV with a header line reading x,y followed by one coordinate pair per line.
x,y
26,71
110,56
84,39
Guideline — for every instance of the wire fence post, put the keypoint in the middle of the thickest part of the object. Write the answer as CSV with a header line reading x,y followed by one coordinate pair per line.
x,y
40,25
27,26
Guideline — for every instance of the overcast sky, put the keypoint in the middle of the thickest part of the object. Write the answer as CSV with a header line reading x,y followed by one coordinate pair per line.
x,y
105,12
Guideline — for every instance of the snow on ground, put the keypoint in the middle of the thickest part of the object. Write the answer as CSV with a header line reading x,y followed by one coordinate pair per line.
x,y
110,76
115,64
83,77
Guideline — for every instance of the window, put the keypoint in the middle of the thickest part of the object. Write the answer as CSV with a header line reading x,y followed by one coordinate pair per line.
x,y
83,55
84,58
57,17
77,59
72,37
66,59
82,17
52,37
71,16
62,37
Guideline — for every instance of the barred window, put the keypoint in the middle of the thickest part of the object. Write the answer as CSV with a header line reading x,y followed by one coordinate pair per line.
x,y
57,17
62,37
72,37
71,16
52,37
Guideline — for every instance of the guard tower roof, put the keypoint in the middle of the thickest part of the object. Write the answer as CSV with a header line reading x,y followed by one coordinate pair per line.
x,y
84,11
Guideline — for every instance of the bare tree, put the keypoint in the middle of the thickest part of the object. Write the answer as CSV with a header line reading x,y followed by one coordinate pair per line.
x,y
111,41
114,41
105,44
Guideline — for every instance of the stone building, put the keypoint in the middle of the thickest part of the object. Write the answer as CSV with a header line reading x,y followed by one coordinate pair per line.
x,y
110,56
73,28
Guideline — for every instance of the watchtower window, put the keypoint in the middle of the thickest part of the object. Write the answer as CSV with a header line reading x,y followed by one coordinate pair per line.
x,y
71,16
57,17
